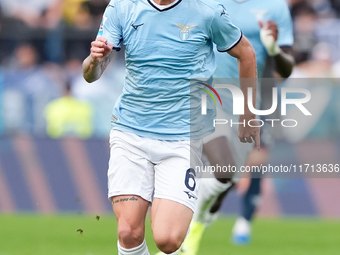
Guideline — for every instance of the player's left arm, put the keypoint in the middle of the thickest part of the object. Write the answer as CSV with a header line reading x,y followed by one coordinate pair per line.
x,y
283,55
229,38
246,58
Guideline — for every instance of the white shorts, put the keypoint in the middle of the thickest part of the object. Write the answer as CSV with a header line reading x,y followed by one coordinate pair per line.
x,y
153,168
240,150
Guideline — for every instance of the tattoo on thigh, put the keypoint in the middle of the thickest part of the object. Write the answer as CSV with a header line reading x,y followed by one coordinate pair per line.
x,y
133,198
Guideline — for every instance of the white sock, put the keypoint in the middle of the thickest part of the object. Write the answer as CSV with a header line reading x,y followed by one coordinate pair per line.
x,y
241,227
209,190
139,250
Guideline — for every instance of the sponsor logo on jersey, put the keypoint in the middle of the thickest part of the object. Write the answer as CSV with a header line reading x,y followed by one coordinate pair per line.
x,y
184,33
135,27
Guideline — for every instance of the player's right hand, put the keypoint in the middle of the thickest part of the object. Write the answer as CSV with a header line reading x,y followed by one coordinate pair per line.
x,y
100,48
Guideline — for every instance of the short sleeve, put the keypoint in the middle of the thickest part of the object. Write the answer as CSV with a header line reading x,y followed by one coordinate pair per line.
x,y
110,27
285,25
224,33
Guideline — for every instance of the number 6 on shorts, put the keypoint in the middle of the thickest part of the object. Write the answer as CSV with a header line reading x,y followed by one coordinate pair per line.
x,y
190,175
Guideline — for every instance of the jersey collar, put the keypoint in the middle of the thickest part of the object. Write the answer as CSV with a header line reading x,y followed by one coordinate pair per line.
x,y
167,7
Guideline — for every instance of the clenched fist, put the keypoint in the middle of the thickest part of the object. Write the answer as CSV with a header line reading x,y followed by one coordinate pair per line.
x,y
100,49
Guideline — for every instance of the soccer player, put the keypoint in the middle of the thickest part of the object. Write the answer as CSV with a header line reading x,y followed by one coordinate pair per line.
x,y
268,26
167,43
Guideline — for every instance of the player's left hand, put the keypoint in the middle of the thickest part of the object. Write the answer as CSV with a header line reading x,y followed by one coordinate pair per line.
x,y
248,134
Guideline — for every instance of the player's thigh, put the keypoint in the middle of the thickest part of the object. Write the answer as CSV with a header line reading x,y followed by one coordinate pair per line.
x,y
223,148
130,186
130,208
130,172
130,212
241,152
176,189
219,154
170,222
175,176
218,150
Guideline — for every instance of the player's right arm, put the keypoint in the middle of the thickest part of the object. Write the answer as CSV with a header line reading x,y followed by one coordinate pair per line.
x,y
108,39
95,64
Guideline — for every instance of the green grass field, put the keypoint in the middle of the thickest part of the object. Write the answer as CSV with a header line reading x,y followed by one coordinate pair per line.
x,y
57,235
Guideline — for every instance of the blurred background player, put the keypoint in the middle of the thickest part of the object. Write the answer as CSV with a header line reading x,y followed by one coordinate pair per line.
x,y
268,25
68,116
152,141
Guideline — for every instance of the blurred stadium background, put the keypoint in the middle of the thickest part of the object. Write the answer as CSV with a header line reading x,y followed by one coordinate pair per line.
x,y
49,168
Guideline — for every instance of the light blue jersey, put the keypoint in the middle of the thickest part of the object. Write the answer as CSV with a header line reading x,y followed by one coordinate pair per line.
x,y
246,15
164,49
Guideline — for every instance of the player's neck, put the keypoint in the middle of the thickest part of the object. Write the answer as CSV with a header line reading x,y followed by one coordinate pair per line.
x,y
163,2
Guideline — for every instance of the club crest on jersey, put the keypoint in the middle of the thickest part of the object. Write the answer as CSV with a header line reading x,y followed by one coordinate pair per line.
x,y
184,33
259,13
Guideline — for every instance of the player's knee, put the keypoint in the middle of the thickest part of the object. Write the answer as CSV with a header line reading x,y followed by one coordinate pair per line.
x,y
130,235
168,243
